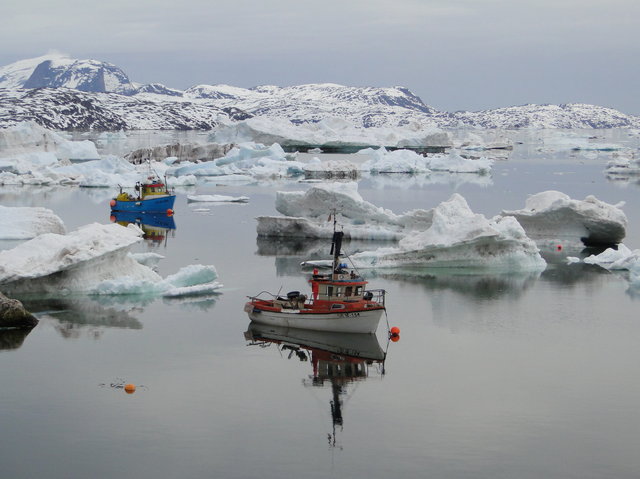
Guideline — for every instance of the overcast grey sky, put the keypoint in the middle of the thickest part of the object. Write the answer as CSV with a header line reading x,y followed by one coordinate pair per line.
x,y
454,54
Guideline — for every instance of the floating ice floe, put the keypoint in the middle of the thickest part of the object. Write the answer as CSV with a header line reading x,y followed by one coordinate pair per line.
x,y
554,216
623,167
28,137
94,259
618,259
328,133
407,161
217,199
331,169
615,259
192,280
458,238
306,215
251,159
565,141
19,223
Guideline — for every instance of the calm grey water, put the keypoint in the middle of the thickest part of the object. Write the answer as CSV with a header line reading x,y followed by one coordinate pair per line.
x,y
495,376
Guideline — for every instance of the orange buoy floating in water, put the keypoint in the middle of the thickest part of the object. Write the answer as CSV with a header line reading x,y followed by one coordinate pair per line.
x,y
394,334
129,388
169,212
112,218
112,202
559,247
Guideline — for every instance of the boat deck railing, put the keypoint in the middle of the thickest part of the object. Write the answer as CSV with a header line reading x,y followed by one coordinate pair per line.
x,y
377,295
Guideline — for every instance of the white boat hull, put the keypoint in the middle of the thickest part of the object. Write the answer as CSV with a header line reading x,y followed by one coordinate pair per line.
x,y
350,322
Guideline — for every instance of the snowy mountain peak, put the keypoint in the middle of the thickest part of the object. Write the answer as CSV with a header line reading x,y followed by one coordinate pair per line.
x,y
84,75
16,74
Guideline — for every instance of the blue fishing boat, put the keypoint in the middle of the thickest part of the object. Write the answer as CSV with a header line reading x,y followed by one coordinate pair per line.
x,y
151,196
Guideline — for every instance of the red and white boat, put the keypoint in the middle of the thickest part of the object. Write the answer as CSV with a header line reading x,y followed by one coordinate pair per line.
x,y
339,301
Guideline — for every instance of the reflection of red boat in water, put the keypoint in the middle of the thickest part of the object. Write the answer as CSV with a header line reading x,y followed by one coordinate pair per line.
x,y
339,302
337,359
156,227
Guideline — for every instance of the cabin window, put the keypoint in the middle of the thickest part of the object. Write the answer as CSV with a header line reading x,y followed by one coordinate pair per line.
x,y
358,291
329,290
339,291
348,290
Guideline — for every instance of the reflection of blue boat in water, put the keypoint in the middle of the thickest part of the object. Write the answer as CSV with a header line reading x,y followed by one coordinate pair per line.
x,y
151,197
155,226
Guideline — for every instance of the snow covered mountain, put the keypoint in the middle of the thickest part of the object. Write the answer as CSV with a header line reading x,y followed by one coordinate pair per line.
x,y
365,106
64,93
60,71
65,109
572,115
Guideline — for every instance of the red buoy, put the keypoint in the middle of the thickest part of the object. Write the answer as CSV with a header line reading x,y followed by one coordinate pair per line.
x,y
559,247
395,330
169,212
112,203
112,218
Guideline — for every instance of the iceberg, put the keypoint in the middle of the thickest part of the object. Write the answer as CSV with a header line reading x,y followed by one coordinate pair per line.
x,y
217,199
458,238
623,167
616,259
328,133
447,236
554,216
192,280
331,169
252,159
306,215
21,223
620,259
29,137
407,161
94,259
76,261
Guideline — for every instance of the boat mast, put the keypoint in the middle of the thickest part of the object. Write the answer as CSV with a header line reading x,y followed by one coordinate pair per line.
x,y
336,243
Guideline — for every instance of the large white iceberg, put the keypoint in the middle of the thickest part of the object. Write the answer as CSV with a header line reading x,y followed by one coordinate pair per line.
x,y
19,223
29,137
330,132
554,216
93,259
306,214
450,235
254,159
458,238
407,161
